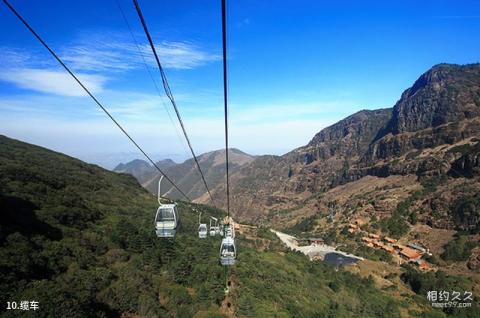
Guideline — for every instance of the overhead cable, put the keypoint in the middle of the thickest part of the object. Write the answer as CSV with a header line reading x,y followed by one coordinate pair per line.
x,y
17,14
169,94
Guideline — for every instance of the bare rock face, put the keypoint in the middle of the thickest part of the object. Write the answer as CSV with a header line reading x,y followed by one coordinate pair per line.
x,y
473,262
432,111
469,163
446,93
349,137
391,146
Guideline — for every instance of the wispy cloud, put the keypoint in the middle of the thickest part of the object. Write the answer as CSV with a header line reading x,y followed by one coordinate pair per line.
x,y
117,52
13,56
125,105
96,61
184,55
113,52
52,82
100,57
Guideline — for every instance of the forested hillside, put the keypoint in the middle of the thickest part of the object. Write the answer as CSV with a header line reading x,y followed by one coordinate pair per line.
x,y
80,240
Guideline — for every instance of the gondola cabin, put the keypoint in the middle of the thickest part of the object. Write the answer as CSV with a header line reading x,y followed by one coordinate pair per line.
x,y
166,220
214,230
202,230
228,251
228,230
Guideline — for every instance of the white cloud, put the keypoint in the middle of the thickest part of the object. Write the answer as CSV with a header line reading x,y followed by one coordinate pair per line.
x,y
126,105
184,55
117,53
100,57
13,56
52,82
112,52
93,61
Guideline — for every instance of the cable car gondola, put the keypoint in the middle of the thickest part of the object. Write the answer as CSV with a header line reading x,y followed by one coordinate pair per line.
x,y
228,227
202,227
167,218
214,229
228,252
202,230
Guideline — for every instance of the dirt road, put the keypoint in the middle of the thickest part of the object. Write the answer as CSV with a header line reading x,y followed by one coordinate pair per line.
x,y
312,251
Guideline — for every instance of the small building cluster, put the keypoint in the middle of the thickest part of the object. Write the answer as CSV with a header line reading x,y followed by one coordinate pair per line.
x,y
411,253
315,241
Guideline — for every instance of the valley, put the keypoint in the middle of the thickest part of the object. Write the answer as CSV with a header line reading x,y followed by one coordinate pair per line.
x,y
411,172
67,229
371,188
397,186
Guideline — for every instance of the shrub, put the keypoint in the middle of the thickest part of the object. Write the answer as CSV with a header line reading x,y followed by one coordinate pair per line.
x,y
458,250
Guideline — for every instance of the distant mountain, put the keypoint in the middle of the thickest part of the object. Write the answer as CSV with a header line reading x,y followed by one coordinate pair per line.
x,y
141,169
433,131
165,163
186,174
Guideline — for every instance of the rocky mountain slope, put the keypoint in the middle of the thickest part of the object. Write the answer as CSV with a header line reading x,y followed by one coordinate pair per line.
x,y
186,174
432,131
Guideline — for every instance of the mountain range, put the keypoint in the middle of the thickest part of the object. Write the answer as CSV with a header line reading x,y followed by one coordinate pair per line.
x,y
186,174
432,132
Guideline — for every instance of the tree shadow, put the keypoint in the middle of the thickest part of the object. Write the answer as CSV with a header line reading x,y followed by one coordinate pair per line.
x,y
18,215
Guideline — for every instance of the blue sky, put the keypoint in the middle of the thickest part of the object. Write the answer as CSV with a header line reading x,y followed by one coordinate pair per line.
x,y
295,68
